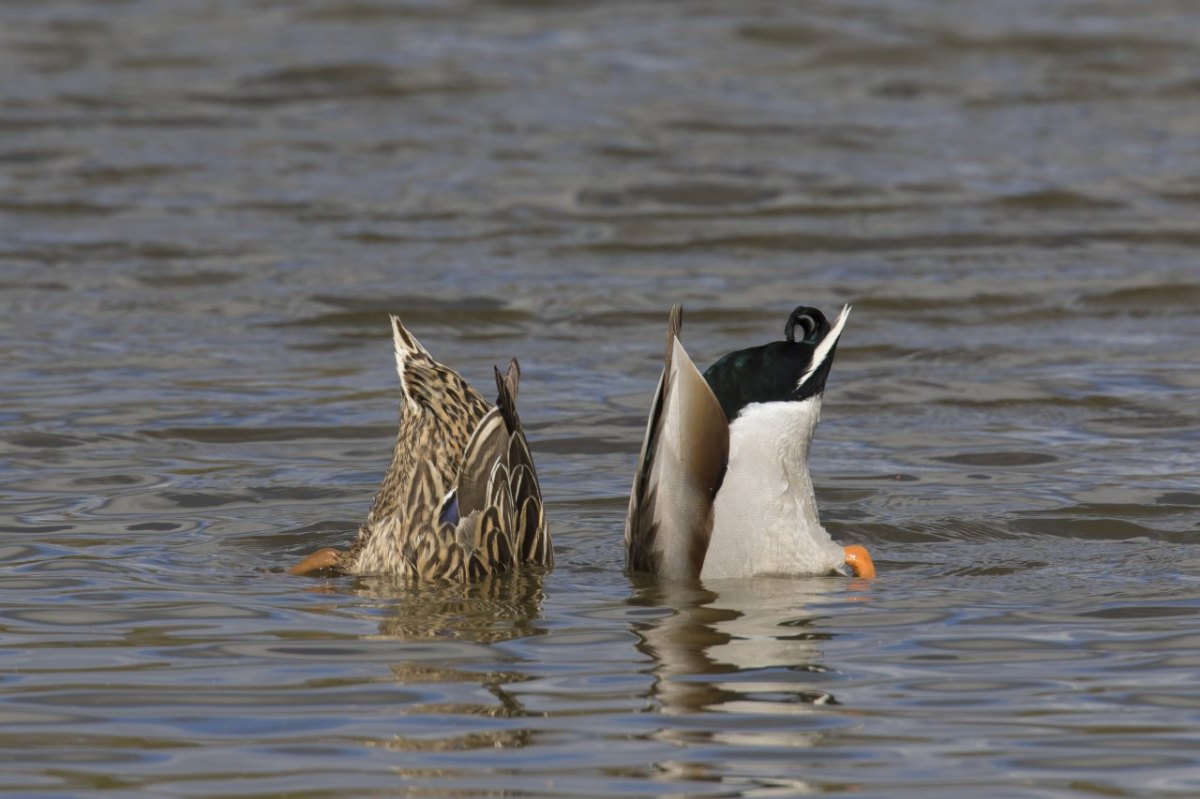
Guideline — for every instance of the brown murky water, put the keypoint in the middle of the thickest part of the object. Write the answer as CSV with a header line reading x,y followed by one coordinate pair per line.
x,y
208,207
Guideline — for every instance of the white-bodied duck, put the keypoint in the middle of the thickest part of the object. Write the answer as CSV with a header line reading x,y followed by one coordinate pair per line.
x,y
722,486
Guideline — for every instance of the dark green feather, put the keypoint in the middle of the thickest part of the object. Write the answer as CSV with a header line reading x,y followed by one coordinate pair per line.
x,y
769,373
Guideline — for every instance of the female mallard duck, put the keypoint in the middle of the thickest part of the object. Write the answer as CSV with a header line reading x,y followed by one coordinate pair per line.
x,y
722,487
460,499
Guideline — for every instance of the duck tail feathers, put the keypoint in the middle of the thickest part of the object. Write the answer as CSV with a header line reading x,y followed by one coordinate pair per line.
x,y
507,385
407,347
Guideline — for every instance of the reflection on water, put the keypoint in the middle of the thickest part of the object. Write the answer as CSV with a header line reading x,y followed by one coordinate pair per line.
x,y
208,209
501,608
746,646
496,609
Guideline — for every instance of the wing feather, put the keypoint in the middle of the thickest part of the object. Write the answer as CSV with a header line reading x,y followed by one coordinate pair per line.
x,y
487,447
683,460
527,521
499,501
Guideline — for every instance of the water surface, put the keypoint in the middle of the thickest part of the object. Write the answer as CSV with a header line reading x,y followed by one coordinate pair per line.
x,y
207,209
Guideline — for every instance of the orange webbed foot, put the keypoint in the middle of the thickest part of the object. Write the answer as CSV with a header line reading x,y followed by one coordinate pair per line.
x,y
321,559
859,561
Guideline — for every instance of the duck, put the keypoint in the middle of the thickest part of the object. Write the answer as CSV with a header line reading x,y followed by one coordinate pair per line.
x,y
722,487
460,500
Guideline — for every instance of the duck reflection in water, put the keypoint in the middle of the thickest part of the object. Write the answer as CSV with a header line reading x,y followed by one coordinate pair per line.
x,y
736,646
498,608
445,616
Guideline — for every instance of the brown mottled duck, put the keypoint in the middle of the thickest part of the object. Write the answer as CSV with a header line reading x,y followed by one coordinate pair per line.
x,y
460,500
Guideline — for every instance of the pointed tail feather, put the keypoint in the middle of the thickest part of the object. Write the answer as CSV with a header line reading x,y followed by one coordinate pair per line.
x,y
404,340
506,394
407,348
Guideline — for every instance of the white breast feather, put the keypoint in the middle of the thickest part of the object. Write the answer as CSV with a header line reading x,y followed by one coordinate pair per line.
x,y
765,514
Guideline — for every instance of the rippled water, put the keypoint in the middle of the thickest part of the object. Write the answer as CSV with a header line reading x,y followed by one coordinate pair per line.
x,y
207,208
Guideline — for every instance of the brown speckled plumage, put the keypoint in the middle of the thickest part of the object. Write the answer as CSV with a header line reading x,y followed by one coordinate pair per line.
x,y
461,498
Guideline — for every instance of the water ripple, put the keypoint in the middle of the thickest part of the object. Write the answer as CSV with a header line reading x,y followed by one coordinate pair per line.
x,y
210,209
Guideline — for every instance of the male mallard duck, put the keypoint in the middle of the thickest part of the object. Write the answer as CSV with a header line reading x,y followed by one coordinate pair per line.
x,y
722,487
460,499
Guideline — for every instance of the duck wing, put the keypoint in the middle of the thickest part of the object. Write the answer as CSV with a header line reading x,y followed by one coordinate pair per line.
x,y
496,507
531,536
683,460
